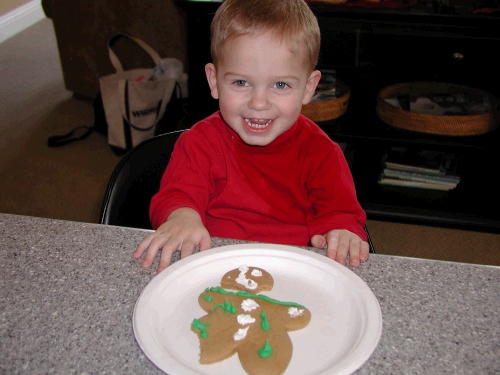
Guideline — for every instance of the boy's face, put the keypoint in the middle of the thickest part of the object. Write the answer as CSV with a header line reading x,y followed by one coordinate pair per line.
x,y
261,84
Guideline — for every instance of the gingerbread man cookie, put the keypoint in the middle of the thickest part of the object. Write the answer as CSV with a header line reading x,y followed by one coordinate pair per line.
x,y
253,325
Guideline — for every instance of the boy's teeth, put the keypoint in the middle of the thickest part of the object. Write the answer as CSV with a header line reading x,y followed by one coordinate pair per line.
x,y
256,123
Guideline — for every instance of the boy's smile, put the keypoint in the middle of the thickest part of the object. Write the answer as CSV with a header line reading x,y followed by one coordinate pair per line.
x,y
257,126
261,82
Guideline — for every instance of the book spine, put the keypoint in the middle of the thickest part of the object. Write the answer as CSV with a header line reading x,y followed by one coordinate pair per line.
x,y
416,184
416,176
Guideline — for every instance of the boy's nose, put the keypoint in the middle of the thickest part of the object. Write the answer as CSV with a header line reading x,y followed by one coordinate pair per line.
x,y
259,100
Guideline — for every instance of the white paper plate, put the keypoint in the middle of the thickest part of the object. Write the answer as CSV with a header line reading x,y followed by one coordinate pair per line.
x,y
345,326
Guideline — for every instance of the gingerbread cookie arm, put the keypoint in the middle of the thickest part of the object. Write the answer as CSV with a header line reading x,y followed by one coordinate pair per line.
x,y
293,318
215,333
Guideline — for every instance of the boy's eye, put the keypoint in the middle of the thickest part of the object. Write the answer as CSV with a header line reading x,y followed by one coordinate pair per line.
x,y
281,85
241,82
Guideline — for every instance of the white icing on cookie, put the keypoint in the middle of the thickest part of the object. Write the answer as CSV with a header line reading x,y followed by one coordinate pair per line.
x,y
255,272
295,312
249,305
245,319
242,279
241,334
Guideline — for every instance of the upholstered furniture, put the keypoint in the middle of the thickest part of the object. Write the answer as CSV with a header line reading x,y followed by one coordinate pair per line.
x,y
83,28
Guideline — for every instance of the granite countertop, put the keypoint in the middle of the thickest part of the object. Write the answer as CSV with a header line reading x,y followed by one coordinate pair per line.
x,y
68,291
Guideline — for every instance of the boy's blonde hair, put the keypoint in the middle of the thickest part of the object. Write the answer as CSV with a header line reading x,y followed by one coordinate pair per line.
x,y
292,20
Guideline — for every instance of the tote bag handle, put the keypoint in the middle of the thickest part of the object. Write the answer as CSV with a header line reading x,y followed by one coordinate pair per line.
x,y
115,61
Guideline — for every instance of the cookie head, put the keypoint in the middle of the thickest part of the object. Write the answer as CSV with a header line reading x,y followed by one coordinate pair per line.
x,y
249,279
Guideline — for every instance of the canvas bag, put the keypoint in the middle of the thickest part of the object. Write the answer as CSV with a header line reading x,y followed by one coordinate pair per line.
x,y
134,100
173,115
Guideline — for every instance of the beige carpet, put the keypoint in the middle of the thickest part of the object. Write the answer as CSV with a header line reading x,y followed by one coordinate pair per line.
x,y
69,182
62,183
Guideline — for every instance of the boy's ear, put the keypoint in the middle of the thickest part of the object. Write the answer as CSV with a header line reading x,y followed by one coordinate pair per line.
x,y
312,83
212,80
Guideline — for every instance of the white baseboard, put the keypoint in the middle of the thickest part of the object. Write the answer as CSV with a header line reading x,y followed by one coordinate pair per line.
x,y
20,18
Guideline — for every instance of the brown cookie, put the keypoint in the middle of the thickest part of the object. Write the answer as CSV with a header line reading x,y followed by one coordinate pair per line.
x,y
254,326
250,279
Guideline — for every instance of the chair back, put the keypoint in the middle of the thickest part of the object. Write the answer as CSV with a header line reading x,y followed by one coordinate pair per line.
x,y
134,181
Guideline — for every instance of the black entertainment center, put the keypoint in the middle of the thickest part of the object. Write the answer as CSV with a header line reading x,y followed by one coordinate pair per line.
x,y
371,48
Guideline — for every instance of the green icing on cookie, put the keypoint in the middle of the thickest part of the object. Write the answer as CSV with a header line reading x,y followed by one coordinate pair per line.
x,y
198,324
229,307
265,323
242,293
266,350
207,298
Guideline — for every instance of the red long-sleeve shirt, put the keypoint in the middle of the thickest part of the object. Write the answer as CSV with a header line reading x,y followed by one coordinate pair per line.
x,y
297,186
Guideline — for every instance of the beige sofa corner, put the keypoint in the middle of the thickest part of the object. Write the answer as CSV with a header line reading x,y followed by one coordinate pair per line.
x,y
83,28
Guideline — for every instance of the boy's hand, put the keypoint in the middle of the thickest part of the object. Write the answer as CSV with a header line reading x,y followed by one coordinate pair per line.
x,y
183,231
339,243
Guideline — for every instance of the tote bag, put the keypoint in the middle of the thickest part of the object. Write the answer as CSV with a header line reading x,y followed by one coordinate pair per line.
x,y
134,100
140,104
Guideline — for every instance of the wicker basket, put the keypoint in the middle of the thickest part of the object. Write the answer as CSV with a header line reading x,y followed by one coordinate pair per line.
x,y
426,123
327,110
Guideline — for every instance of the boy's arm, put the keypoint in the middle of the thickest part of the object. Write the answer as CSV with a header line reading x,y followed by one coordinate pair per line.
x,y
187,180
331,191
183,231
338,218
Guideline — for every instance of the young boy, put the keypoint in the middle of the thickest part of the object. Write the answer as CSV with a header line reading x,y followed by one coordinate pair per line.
x,y
257,169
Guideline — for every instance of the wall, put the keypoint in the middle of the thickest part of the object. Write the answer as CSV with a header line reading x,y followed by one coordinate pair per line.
x,y
8,5
18,15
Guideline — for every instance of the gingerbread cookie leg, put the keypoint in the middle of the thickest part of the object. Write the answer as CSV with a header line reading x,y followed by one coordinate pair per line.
x,y
266,354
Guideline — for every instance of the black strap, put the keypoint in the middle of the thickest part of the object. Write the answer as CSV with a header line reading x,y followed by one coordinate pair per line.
x,y
76,134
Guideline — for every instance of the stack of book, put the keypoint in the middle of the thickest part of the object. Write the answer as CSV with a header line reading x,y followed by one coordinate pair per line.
x,y
422,169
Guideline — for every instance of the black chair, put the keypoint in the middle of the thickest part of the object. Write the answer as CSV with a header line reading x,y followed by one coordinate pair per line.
x,y
135,180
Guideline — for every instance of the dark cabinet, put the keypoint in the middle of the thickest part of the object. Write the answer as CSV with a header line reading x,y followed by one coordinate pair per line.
x,y
373,48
